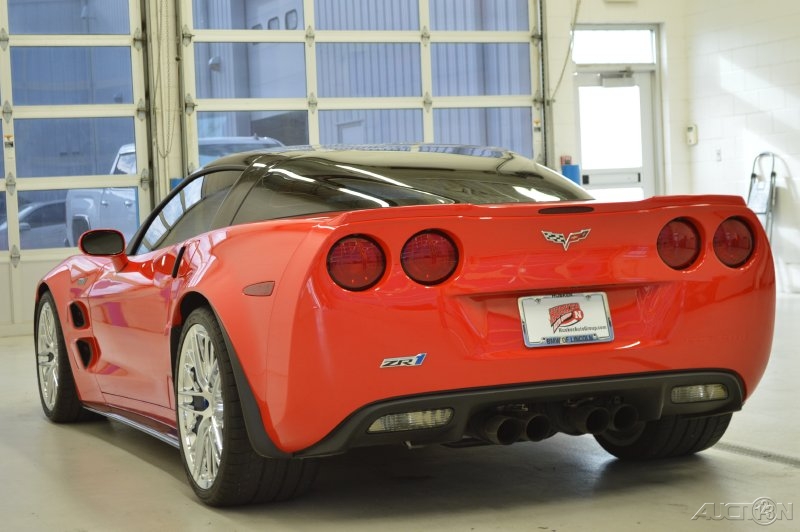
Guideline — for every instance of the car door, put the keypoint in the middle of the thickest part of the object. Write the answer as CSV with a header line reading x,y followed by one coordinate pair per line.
x,y
132,307
130,316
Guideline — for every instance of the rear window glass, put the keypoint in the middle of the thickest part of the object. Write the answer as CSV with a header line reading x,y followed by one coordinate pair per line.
x,y
282,193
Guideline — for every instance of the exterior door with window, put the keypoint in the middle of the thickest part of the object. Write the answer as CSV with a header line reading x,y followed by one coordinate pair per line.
x,y
617,107
616,134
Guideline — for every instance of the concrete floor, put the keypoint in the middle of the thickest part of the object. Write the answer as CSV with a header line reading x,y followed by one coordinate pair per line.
x,y
105,476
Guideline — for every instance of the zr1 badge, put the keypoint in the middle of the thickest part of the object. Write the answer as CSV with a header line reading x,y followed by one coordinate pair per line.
x,y
404,362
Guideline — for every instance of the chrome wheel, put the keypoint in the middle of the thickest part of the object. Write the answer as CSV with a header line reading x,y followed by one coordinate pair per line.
x,y
47,354
200,405
220,462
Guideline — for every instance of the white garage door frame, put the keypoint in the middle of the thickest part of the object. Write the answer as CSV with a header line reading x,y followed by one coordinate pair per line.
x,y
20,268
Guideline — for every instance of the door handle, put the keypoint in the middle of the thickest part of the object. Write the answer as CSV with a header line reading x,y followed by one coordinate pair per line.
x,y
128,203
104,203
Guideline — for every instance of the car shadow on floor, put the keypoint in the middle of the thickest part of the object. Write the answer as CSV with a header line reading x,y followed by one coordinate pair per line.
x,y
386,482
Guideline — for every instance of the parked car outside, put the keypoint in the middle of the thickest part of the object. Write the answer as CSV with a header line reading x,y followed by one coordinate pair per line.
x,y
41,225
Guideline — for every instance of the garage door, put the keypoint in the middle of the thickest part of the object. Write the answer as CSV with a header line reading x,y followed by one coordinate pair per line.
x,y
359,72
72,93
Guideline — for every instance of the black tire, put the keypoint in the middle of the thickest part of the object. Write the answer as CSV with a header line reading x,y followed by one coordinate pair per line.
x,y
668,437
57,391
209,413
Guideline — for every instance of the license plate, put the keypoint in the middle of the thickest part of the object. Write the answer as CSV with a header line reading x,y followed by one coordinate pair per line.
x,y
565,319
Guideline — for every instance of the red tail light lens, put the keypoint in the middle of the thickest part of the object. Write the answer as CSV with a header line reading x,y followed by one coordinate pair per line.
x,y
733,242
356,262
429,257
679,244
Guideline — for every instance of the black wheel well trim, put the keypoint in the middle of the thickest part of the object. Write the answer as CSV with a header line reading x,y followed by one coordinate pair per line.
x,y
259,439
40,290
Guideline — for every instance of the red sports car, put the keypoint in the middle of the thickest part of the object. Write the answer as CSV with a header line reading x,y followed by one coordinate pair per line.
x,y
281,306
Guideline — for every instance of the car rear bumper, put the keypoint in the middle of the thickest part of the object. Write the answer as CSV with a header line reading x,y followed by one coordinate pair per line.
x,y
650,395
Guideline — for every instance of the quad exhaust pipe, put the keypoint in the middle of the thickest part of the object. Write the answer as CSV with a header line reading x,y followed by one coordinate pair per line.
x,y
587,419
499,429
537,425
507,429
624,417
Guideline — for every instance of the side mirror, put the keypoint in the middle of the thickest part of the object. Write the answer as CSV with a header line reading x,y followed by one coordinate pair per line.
x,y
24,226
104,243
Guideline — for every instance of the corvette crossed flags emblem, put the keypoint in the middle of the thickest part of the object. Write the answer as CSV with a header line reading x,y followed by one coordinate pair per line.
x,y
559,238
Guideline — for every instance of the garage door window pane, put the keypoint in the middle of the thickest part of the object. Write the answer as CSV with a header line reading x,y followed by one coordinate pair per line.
x,y
106,208
370,127
250,70
70,146
481,69
42,222
68,17
71,75
367,15
479,15
286,127
368,70
248,15
505,127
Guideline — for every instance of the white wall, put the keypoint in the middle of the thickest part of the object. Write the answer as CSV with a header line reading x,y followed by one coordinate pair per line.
x,y
732,67
674,171
744,95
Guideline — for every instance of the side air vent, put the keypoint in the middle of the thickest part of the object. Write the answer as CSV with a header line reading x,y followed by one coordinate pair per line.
x,y
86,351
572,209
78,314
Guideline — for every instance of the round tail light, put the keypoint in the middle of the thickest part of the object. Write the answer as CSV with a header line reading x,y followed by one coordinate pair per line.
x,y
679,244
733,242
429,257
356,262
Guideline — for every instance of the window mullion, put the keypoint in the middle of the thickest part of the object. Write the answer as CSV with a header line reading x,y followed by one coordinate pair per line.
x,y
51,41
312,90
427,71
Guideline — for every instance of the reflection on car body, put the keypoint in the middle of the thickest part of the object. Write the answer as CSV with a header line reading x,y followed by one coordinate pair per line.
x,y
286,305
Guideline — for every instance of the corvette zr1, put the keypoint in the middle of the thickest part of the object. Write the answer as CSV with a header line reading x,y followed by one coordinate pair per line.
x,y
290,304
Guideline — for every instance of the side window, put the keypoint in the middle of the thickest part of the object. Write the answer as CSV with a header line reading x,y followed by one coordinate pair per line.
x,y
53,214
46,214
189,212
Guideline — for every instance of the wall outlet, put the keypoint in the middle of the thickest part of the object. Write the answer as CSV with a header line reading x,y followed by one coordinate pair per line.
x,y
691,134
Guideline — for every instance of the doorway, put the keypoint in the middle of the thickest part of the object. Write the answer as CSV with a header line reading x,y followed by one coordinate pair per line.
x,y
617,112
